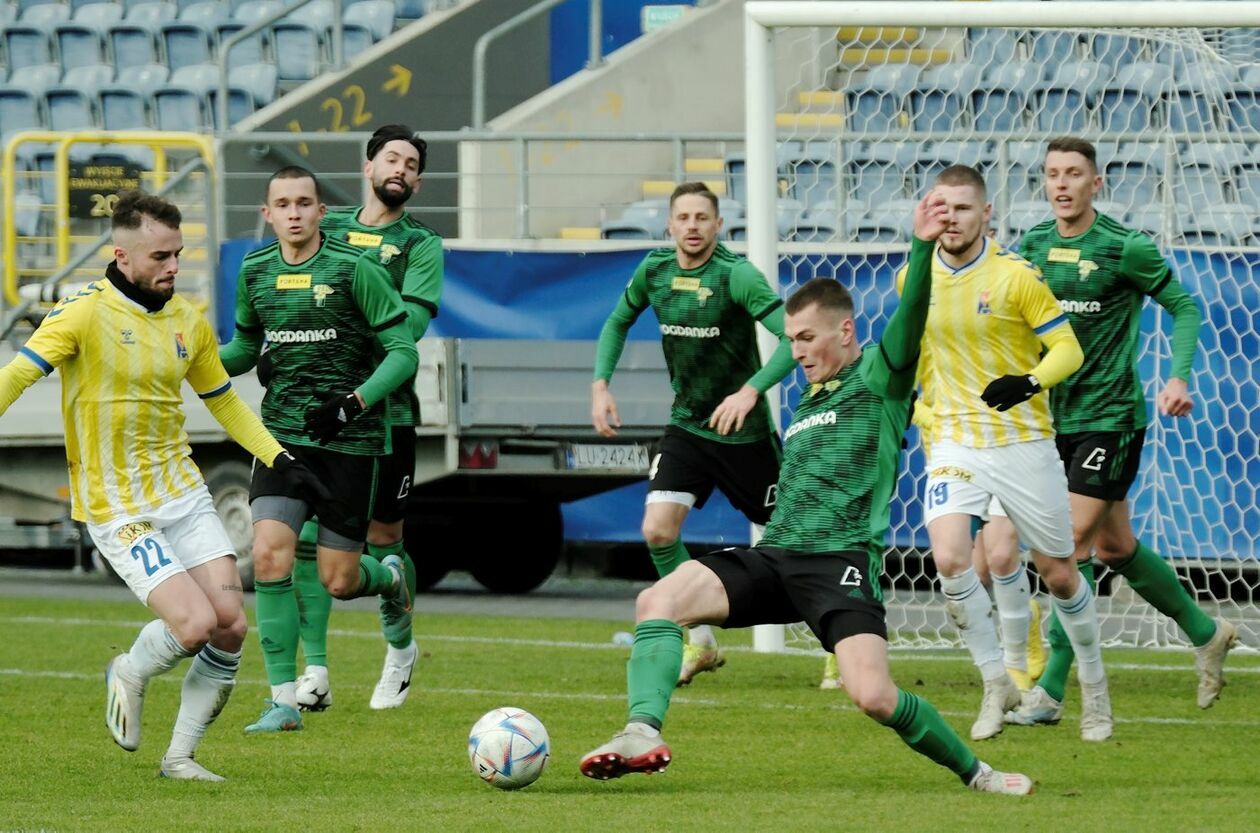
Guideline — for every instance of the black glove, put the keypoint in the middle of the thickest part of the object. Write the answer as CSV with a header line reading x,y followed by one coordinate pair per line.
x,y
325,421
266,369
293,471
1006,392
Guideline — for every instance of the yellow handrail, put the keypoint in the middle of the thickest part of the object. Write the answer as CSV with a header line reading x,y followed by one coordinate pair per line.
x,y
157,142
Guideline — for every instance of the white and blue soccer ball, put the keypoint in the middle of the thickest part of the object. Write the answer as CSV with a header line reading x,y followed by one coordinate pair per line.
x,y
508,748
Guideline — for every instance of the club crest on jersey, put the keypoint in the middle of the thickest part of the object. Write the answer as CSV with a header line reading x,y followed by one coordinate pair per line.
x,y
320,293
983,308
130,532
387,253
181,350
1084,268
703,294
128,336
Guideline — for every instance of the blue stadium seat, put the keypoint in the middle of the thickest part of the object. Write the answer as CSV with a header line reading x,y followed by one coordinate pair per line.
x,y
1023,216
1114,210
1245,182
891,222
875,104
1001,104
79,44
37,78
1240,45
26,45
78,5
1132,102
299,48
253,11
376,15
1249,76
1132,175
940,100
355,40
252,50
70,108
154,13
100,15
8,13
89,77
19,110
123,108
992,47
133,43
205,13
259,80
1116,50
811,177
240,106
181,103
650,215
620,230
44,14
1148,219
410,9
1022,180
736,180
187,43
731,209
735,230
1052,48
145,78
1062,103
817,230
1218,225
876,171
1242,107
788,213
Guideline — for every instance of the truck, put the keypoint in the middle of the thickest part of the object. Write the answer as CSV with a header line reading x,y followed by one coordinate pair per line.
x,y
504,439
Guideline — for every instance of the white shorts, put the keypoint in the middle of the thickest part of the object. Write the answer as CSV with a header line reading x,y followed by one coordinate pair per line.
x,y
1026,477
146,550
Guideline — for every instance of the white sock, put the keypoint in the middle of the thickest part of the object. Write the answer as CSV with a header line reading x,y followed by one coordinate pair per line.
x,y
972,612
285,694
702,635
207,686
1079,617
155,651
401,656
1011,594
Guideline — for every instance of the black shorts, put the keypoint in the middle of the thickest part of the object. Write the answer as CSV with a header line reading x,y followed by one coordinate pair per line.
x,y
747,473
1101,464
834,593
394,476
350,477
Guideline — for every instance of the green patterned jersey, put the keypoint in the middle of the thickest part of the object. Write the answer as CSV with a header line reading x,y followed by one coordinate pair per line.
x,y
1101,279
840,458
413,256
707,319
321,318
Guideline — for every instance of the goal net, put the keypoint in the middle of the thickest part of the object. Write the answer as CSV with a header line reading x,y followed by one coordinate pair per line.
x,y
854,107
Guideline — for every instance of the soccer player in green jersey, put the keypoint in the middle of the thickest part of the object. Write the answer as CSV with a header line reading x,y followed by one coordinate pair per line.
x,y
707,301
1102,273
340,343
820,557
395,163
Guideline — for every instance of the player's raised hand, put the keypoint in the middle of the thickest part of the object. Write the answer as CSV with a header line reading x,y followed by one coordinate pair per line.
x,y
1174,399
729,415
931,216
604,414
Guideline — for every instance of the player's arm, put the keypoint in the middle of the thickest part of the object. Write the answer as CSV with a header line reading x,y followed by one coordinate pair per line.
x,y
1061,358
750,290
56,340
1143,265
894,374
382,307
241,353
422,285
612,340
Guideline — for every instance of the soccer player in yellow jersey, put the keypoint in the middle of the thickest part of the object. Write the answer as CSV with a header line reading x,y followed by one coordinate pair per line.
x,y
124,346
992,436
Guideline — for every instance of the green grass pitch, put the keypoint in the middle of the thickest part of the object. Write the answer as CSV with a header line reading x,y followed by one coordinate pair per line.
x,y
756,745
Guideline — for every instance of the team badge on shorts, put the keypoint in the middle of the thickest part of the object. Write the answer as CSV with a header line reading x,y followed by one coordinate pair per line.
x,y
127,533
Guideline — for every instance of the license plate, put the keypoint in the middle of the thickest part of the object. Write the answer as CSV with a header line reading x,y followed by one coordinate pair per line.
x,y
592,456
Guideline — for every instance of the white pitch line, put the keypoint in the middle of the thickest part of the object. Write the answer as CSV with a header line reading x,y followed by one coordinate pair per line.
x,y
945,655
603,698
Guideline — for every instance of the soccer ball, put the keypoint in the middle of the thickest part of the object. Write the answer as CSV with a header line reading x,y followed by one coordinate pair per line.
x,y
508,748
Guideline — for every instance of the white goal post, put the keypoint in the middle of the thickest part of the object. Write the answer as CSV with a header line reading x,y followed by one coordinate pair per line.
x,y
1172,32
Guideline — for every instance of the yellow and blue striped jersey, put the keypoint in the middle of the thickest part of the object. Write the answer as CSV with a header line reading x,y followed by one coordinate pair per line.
x,y
121,374
986,320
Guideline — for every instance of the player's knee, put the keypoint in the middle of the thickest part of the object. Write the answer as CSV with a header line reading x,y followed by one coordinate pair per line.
x,y
1061,576
194,628
875,699
658,534
230,634
656,602
1110,549
341,588
270,562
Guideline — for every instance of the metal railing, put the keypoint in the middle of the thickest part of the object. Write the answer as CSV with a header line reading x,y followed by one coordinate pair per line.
x,y
225,50
594,49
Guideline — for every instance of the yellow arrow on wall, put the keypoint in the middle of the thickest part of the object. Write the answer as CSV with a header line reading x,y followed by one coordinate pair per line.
x,y
399,80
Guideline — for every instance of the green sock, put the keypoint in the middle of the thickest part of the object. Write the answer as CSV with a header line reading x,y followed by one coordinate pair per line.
x,y
1054,679
314,603
278,628
374,579
395,623
1154,580
923,730
668,557
652,671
